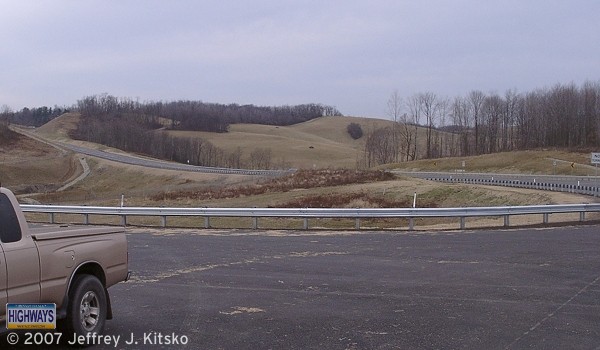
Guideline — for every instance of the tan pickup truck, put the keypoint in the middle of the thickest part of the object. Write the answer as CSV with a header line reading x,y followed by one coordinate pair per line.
x,y
71,267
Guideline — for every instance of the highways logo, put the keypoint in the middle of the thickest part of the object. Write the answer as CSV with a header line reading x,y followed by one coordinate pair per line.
x,y
31,316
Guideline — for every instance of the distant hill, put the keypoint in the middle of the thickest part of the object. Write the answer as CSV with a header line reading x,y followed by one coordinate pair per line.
x,y
322,142
60,127
192,115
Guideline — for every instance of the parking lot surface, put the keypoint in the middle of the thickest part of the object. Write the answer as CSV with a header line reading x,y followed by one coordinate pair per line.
x,y
495,289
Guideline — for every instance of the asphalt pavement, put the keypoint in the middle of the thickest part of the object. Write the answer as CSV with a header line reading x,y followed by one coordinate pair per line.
x,y
495,289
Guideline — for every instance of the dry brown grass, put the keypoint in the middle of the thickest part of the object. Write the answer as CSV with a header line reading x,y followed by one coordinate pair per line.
x,y
30,166
302,179
324,188
109,180
319,143
518,162
59,128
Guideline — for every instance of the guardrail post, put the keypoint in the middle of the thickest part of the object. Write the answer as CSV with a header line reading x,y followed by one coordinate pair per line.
x,y
506,221
51,218
207,222
357,223
255,223
123,220
86,219
462,222
582,216
411,224
546,215
305,223
163,221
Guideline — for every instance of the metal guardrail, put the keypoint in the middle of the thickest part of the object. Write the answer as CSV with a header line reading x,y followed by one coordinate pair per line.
x,y
586,185
307,213
533,185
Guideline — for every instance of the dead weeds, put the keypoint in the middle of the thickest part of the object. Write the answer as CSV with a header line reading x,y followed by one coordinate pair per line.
x,y
351,200
301,179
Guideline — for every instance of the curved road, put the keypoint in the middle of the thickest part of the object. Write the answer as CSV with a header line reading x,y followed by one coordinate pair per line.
x,y
159,164
147,162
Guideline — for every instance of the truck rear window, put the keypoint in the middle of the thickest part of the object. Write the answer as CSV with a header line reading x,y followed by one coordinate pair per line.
x,y
10,230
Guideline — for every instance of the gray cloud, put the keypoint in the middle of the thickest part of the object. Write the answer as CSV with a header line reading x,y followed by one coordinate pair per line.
x,y
351,54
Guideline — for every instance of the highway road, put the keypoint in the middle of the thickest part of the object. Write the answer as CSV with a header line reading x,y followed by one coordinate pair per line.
x,y
160,164
145,161
495,289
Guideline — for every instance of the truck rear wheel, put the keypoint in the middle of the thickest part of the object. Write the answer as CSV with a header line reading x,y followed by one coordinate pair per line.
x,y
86,312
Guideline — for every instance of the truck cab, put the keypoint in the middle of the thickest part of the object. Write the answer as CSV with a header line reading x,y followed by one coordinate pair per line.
x,y
22,254
72,267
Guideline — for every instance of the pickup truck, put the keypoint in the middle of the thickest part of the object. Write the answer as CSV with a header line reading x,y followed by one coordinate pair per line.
x,y
71,267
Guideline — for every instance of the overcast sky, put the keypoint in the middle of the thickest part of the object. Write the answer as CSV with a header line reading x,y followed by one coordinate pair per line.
x,y
349,54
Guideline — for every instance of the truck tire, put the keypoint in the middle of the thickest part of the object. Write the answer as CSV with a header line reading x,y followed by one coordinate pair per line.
x,y
86,312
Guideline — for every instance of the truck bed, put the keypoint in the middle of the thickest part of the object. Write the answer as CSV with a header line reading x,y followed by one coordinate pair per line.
x,y
41,233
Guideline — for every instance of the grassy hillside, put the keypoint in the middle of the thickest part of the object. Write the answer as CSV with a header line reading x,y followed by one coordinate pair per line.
x,y
35,167
319,143
59,128
518,162
31,166
325,143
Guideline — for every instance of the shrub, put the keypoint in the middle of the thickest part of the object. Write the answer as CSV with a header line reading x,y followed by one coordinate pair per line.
x,y
355,130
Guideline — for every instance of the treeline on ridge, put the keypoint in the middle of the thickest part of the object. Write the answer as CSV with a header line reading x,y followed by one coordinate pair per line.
x,y
201,116
562,116
36,116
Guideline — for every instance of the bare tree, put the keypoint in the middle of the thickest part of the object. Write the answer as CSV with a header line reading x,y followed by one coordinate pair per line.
x,y
430,107
380,147
511,101
591,113
394,106
234,159
414,118
476,99
562,109
407,134
394,110
461,117
443,144
493,109
260,158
